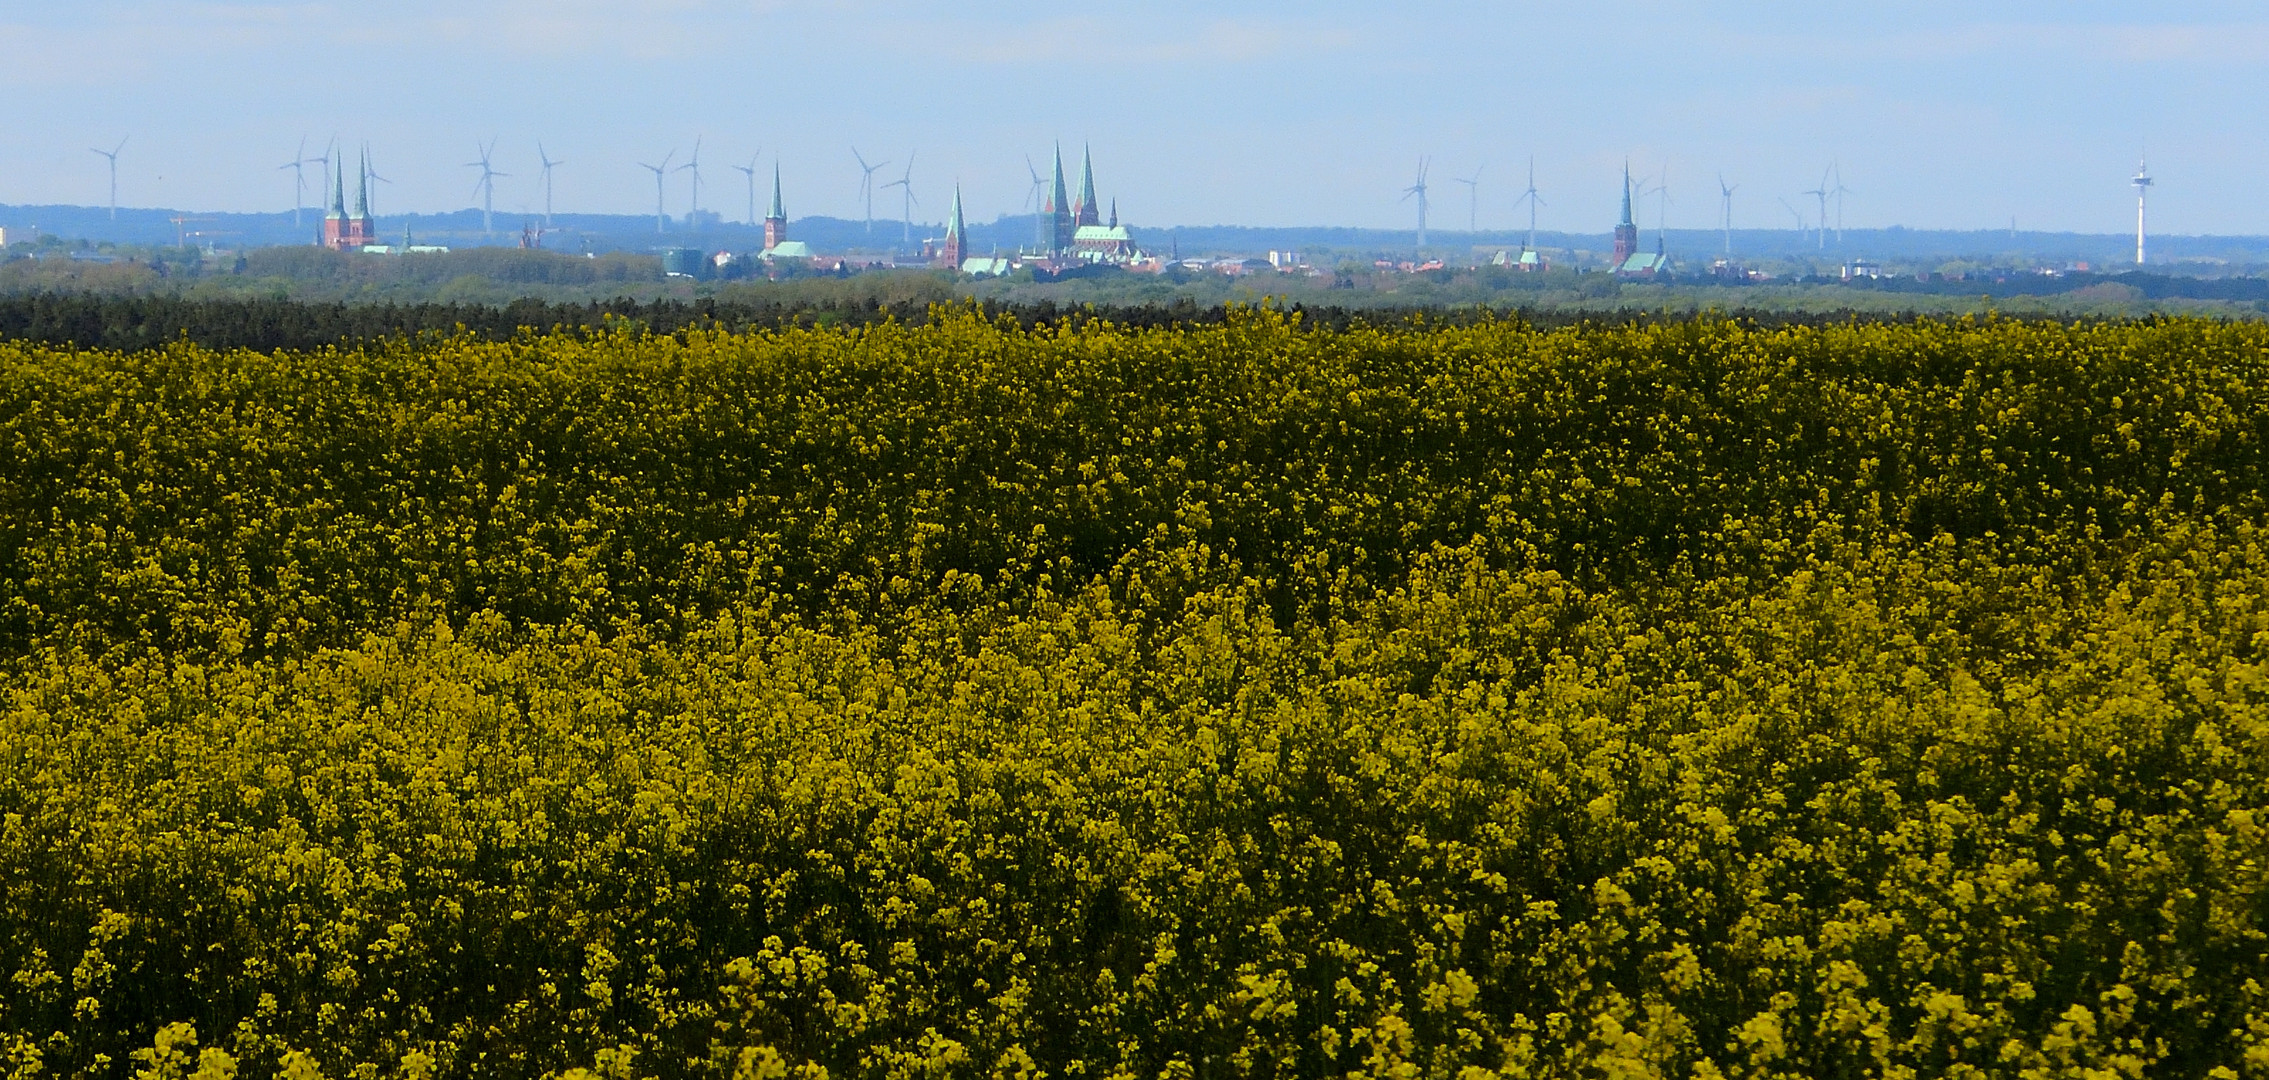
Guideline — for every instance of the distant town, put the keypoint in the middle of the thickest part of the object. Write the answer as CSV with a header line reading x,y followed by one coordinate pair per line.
x,y
1072,232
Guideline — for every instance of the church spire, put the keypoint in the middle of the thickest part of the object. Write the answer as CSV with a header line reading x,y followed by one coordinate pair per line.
x,y
1061,196
362,197
955,250
775,219
1084,211
339,191
1114,212
1626,194
1059,206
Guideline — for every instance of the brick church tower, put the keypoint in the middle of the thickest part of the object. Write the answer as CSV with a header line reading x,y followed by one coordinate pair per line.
x,y
776,219
343,233
955,250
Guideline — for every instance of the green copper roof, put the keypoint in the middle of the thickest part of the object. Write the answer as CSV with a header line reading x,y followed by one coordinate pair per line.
x,y
339,192
1626,193
778,211
953,226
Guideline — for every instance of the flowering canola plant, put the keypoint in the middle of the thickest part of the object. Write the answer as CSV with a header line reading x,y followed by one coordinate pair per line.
x,y
1699,700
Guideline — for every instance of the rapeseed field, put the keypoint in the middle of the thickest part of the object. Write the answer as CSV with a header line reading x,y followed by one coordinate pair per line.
x,y
1081,701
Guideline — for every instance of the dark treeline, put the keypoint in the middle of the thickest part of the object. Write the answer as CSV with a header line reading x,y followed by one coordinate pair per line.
x,y
129,323
2146,286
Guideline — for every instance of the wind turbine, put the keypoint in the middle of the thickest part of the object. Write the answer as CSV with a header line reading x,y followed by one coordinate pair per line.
x,y
112,155
1839,191
867,186
750,170
1419,189
330,152
661,219
1472,198
1822,192
2142,184
694,164
1533,200
485,186
906,183
1799,217
1725,197
1039,201
298,166
549,165
1661,192
370,172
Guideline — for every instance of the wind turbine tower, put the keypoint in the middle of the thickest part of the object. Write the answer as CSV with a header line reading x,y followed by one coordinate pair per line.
x,y
867,185
298,166
330,152
549,165
694,165
486,185
1472,199
1839,191
369,174
1798,214
661,218
112,155
1661,192
905,184
2142,184
1533,200
1822,193
1039,202
1725,196
1419,189
750,171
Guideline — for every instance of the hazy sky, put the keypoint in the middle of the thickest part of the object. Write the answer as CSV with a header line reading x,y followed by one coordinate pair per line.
x,y
1941,114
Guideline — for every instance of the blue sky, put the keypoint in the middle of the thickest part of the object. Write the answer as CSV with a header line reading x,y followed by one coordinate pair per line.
x,y
1940,114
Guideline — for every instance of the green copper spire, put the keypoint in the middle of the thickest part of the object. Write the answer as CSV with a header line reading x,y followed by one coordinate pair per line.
x,y
339,191
362,198
953,224
1085,208
1062,201
778,211
1626,193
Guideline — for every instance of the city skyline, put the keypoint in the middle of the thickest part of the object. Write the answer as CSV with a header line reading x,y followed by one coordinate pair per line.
x,y
1273,115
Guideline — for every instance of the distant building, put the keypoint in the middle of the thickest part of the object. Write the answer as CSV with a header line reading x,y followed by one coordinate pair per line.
x,y
1077,231
1528,261
1626,231
776,219
955,250
1629,262
343,233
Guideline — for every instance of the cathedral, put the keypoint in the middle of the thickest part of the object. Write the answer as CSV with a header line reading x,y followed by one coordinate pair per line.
x,y
343,233
1079,230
